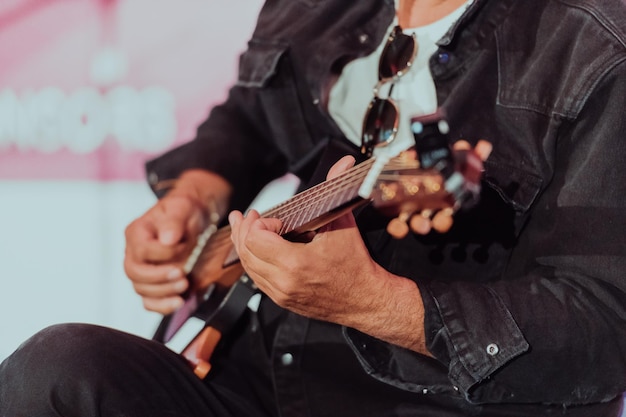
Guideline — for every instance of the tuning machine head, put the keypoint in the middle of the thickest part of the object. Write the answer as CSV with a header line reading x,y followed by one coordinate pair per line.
x,y
422,193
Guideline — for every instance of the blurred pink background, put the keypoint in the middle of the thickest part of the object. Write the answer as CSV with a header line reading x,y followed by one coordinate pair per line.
x,y
90,88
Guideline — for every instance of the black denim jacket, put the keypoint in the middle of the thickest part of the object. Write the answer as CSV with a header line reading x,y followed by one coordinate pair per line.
x,y
526,295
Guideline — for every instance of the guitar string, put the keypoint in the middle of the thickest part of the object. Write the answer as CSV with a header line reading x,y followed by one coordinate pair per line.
x,y
296,214
327,195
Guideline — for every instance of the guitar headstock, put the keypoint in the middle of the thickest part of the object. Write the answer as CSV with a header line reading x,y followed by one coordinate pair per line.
x,y
422,188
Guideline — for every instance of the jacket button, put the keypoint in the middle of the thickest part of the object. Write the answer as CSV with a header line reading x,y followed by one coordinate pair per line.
x,y
443,57
492,349
286,359
363,38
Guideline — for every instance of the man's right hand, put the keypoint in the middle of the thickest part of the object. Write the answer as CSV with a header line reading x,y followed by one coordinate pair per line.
x,y
159,242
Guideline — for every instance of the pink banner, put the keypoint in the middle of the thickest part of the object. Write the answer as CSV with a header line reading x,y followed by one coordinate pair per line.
x,y
91,89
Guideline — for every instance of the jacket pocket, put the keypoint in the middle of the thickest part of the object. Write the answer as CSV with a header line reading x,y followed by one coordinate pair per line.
x,y
516,186
267,68
259,63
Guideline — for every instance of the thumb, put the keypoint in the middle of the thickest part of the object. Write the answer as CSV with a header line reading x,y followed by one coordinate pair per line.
x,y
181,216
347,220
340,166
170,232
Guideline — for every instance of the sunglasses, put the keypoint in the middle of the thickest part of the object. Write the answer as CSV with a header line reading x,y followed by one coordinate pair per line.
x,y
380,123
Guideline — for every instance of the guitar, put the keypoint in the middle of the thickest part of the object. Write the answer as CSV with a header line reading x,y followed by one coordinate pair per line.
x,y
419,192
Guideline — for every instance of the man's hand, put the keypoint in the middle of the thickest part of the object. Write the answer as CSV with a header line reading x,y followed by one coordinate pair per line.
x,y
159,242
331,278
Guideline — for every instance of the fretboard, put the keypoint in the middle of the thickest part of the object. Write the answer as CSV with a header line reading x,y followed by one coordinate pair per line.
x,y
319,200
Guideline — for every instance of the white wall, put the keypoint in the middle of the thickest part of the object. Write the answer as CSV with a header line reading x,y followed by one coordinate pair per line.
x,y
61,252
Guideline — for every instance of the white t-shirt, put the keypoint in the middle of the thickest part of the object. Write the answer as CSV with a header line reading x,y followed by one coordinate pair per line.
x,y
414,93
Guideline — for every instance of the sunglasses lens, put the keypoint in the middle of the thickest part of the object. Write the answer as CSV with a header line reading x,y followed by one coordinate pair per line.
x,y
381,119
380,124
397,56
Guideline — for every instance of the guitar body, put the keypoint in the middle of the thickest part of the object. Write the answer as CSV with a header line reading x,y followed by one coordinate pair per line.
x,y
213,304
219,313
201,349
218,264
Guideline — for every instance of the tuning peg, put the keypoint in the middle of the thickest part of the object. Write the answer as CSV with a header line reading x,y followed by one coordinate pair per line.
x,y
442,220
420,223
461,145
397,227
483,149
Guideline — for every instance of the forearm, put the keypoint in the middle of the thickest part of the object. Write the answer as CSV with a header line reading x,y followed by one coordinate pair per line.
x,y
394,313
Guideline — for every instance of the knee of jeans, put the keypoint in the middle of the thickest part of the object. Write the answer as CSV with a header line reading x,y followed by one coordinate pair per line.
x,y
58,349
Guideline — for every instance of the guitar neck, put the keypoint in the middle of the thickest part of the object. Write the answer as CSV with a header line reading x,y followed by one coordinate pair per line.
x,y
306,211
320,204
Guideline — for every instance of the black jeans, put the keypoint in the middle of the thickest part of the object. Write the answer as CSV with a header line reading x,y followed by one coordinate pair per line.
x,y
79,370
84,370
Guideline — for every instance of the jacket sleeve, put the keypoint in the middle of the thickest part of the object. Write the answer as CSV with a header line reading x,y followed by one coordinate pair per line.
x,y
235,141
553,331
